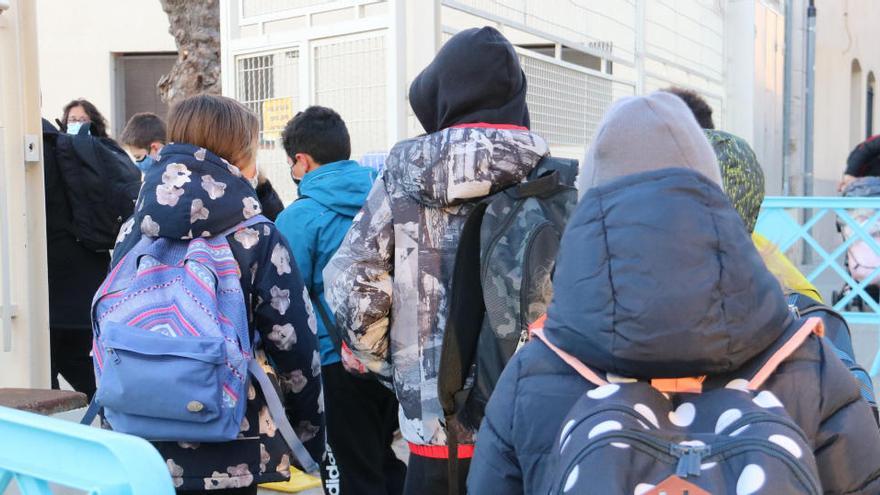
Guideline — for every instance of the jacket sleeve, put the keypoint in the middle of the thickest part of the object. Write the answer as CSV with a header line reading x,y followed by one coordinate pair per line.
x,y
495,467
284,318
358,282
302,240
847,444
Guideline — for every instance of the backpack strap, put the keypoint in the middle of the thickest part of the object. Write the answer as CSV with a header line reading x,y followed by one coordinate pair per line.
x,y
276,409
250,222
690,385
812,326
582,369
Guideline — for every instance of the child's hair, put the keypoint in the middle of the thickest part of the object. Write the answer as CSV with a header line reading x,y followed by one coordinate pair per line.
x,y
142,130
319,132
98,125
217,123
701,110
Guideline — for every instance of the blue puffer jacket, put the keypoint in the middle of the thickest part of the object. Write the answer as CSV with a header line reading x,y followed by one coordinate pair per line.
x,y
191,193
316,223
657,278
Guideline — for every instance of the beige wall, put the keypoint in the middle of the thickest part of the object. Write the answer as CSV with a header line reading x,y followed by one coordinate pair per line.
x,y
22,218
77,42
846,30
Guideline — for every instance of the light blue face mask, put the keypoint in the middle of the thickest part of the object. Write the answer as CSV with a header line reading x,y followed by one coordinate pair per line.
x,y
74,127
146,163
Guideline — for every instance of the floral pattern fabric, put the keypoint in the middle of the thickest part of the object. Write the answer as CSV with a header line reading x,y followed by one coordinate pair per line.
x,y
190,191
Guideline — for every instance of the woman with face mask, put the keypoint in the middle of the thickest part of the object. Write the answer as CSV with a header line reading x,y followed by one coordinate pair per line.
x,y
80,112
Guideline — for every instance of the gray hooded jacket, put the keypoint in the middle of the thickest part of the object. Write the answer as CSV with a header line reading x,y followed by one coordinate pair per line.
x,y
390,280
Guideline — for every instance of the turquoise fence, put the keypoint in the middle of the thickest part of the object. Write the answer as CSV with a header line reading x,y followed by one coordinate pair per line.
x,y
790,221
37,452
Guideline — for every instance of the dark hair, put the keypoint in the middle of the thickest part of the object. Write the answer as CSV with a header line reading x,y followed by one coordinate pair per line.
x,y
701,110
217,123
320,132
98,124
142,130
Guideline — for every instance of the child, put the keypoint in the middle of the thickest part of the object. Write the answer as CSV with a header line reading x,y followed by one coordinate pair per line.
x,y
658,278
390,281
332,190
144,136
205,189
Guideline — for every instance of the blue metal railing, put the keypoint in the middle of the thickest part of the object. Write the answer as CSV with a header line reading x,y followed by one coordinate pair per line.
x,y
37,450
787,221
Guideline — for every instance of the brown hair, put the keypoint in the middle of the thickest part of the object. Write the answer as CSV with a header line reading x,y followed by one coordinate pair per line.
x,y
142,130
699,107
220,124
98,124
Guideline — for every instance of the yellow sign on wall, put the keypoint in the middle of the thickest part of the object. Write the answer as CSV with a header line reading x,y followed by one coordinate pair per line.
x,y
276,113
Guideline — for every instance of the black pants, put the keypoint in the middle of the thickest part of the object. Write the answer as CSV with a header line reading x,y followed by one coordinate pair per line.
x,y
428,476
69,354
361,419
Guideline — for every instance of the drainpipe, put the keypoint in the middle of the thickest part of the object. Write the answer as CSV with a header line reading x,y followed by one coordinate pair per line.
x,y
810,99
786,103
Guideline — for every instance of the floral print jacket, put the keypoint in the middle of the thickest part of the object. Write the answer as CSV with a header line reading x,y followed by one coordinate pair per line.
x,y
193,193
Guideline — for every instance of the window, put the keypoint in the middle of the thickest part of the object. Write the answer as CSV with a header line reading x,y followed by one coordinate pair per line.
x,y
350,78
268,84
856,126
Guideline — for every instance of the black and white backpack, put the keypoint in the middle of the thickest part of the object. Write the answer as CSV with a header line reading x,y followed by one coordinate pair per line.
x,y
694,436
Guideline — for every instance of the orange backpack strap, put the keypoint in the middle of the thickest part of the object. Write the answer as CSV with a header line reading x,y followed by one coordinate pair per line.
x,y
812,326
537,330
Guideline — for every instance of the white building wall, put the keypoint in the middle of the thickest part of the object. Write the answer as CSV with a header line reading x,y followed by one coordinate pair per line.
x,y
846,32
24,305
77,43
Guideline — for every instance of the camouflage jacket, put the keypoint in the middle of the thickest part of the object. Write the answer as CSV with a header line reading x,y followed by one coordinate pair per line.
x,y
389,282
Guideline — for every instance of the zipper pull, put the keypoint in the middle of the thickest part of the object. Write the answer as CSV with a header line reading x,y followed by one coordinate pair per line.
x,y
689,459
113,355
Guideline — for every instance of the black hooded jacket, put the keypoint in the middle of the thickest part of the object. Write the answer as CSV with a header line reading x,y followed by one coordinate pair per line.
x,y
657,277
475,77
75,272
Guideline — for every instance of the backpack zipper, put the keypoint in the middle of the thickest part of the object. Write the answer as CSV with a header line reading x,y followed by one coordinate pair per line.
x,y
763,417
690,457
507,221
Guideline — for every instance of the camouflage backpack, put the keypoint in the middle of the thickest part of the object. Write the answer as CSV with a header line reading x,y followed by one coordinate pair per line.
x,y
501,284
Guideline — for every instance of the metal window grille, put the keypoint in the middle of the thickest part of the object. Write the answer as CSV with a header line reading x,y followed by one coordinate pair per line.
x,y
349,77
565,104
268,84
576,20
251,8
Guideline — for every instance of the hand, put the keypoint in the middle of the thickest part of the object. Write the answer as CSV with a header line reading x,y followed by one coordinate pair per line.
x,y
351,363
847,180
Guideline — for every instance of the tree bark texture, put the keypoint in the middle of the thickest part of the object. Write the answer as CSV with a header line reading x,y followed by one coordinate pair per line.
x,y
195,25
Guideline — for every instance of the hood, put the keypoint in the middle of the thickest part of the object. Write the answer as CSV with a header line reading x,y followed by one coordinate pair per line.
x,y
741,174
643,133
462,164
339,186
192,192
475,77
657,278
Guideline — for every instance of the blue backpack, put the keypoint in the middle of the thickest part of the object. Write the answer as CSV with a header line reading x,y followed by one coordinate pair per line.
x,y
172,350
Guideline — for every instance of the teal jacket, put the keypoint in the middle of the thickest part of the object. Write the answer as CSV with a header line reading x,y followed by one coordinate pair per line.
x,y
316,223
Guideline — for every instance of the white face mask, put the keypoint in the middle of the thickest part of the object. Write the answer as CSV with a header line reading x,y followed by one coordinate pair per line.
x,y
74,127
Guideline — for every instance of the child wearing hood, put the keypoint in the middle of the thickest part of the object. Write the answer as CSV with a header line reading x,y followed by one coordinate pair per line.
x,y
202,185
657,278
390,281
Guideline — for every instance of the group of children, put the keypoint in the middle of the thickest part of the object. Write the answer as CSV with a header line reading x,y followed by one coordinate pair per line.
x,y
347,292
